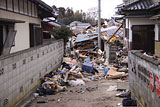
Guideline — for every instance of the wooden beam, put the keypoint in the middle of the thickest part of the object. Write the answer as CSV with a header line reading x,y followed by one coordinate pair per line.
x,y
115,33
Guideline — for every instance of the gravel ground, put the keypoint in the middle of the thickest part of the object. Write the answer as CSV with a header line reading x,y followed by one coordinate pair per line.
x,y
93,94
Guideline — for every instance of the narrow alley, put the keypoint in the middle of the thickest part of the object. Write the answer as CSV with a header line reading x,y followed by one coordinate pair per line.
x,y
94,94
85,78
79,53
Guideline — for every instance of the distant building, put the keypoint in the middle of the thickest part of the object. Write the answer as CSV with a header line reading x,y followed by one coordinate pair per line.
x,y
77,26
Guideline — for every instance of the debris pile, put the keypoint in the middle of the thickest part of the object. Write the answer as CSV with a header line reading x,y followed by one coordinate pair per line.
x,y
72,72
85,63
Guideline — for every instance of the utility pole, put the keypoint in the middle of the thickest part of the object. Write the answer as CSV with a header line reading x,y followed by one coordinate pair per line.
x,y
99,24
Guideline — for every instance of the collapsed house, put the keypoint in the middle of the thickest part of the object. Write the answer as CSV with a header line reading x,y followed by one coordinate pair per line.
x,y
24,57
141,22
86,41
112,37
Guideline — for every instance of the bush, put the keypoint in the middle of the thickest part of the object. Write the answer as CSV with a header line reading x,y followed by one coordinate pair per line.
x,y
62,32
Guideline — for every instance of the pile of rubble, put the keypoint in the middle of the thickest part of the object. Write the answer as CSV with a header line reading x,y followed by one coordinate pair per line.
x,y
83,66
85,63
72,72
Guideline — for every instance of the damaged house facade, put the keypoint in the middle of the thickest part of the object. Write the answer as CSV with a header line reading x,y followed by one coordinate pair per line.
x,y
24,57
142,37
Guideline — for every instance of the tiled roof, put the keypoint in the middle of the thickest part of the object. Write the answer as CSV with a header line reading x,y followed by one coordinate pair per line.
x,y
139,6
40,2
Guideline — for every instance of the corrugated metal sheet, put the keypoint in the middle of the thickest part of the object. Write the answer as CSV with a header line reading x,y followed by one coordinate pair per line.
x,y
111,30
85,37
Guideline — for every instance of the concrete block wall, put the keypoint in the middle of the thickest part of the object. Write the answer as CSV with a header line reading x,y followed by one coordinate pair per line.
x,y
140,67
157,48
20,72
110,53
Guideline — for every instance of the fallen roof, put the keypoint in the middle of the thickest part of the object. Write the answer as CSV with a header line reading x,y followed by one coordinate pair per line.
x,y
52,21
85,37
111,30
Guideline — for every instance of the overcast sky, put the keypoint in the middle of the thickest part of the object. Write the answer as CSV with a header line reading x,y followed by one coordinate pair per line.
x,y
108,6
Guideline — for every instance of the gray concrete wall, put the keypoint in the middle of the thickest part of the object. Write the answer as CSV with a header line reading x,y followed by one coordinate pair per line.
x,y
110,53
20,72
140,67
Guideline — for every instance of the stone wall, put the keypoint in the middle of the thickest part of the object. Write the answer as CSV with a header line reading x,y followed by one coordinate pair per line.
x,y
143,72
20,72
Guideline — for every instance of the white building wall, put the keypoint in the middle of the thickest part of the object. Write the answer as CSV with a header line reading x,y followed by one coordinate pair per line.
x,y
22,37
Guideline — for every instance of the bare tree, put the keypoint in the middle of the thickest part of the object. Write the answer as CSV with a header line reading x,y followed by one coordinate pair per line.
x,y
93,12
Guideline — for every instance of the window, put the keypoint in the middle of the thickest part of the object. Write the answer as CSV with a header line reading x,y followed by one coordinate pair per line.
x,y
10,5
21,5
158,32
7,37
36,14
16,6
35,35
33,12
25,7
3,4
29,8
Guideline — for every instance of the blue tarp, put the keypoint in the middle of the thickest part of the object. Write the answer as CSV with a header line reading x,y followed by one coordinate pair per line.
x,y
85,37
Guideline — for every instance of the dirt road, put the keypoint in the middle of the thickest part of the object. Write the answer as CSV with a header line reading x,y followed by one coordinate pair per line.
x,y
93,94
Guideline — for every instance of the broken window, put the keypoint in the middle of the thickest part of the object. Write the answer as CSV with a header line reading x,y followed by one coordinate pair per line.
x,y
35,35
143,37
7,37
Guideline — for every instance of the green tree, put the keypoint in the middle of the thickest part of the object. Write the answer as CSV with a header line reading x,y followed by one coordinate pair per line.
x,y
62,32
66,16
